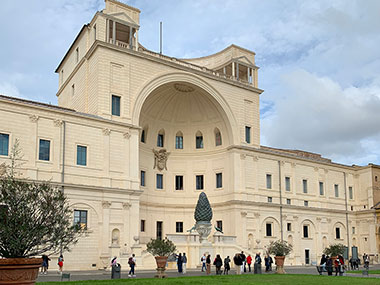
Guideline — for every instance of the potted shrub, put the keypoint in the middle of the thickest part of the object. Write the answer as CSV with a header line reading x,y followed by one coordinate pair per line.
x,y
34,219
279,249
161,249
334,250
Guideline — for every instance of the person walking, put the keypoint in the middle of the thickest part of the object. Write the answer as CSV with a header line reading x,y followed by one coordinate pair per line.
x,y
227,267
322,264
249,262
218,262
184,261
238,263
337,265
257,265
270,263
208,264
203,261
266,263
179,263
132,265
329,265
45,264
243,258
60,264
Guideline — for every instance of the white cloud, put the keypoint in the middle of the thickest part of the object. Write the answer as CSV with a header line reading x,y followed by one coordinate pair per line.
x,y
320,60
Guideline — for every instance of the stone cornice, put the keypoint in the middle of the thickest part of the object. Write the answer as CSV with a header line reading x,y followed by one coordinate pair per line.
x,y
174,62
293,157
60,112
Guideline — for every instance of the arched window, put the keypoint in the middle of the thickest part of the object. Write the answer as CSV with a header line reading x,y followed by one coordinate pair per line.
x,y
160,138
198,140
218,137
179,140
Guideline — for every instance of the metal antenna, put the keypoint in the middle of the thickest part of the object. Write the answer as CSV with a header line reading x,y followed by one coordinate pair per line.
x,y
160,37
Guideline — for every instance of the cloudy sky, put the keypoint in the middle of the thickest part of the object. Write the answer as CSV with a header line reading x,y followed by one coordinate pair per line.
x,y
320,60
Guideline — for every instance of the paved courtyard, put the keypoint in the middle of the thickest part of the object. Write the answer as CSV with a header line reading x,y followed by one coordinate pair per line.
x,y
105,275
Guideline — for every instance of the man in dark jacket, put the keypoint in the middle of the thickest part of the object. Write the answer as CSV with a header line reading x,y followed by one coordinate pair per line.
x,y
238,263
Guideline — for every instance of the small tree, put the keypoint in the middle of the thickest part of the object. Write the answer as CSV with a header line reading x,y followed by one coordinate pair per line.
x,y
35,218
335,249
279,248
158,247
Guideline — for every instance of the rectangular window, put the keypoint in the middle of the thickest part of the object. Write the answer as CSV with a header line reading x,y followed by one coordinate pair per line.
x,y
178,182
336,189
80,218
353,230
142,226
337,233
81,155
321,190
288,201
159,181
77,54
44,152
142,178
306,203
143,136
219,225
269,199
199,182
287,183
304,184
219,180
289,227
94,32
268,230
350,193
179,142
4,144
115,105
199,141
179,227
159,230
305,231
247,134
269,181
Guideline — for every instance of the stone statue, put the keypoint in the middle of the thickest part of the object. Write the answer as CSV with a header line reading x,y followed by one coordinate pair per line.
x,y
160,158
203,216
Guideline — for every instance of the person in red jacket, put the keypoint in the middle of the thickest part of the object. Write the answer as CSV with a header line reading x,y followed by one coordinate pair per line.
x,y
249,261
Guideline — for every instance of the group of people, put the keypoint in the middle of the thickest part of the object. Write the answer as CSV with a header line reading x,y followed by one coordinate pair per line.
x,y
355,262
181,263
331,264
45,264
242,263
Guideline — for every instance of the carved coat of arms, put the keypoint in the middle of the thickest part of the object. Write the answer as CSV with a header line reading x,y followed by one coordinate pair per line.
x,y
160,158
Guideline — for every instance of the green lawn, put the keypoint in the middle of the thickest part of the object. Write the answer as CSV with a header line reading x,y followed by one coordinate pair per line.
x,y
241,279
361,270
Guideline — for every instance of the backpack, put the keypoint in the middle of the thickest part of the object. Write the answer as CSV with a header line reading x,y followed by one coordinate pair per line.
x,y
130,261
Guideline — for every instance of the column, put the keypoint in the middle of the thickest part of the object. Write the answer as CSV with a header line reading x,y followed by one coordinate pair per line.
x,y
105,228
113,32
130,37
248,74
237,71
108,31
233,69
137,40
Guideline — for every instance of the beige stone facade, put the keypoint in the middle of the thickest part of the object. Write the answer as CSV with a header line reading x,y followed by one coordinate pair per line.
x,y
205,113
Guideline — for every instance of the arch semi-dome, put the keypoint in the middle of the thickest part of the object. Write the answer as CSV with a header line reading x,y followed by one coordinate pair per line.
x,y
182,103
225,110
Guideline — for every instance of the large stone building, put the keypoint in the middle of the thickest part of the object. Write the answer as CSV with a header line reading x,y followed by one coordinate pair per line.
x,y
137,136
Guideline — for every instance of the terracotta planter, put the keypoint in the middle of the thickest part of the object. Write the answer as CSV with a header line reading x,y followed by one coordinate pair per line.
x,y
161,266
22,271
280,264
